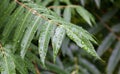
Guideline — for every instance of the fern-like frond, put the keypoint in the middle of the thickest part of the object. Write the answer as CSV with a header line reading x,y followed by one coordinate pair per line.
x,y
23,24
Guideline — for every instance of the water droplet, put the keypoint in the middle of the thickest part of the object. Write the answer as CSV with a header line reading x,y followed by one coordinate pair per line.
x,y
82,42
85,48
34,12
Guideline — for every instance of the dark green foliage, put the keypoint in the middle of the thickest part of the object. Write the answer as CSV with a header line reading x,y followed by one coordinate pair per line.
x,y
33,33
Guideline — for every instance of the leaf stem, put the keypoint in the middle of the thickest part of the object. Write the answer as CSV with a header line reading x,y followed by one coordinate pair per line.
x,y
36,68
35,12
32,10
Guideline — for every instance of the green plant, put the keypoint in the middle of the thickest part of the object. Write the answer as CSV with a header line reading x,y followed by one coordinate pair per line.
x,y
34,30
25,22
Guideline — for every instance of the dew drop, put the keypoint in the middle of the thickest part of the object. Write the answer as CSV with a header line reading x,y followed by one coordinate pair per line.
x,y
82,42
34,12
85,48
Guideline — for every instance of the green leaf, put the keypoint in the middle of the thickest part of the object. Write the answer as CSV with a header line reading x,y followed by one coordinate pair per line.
x,y
67,14
81,32
116,28
11,24
21,28
28,36
97,3
85,15
30,66
20,65
39,28
7,13
8,64
44,40
114,59
59,63
106,43
57,40
65,48
3,5
89,66
45,3
80,41
57,10
50,66
119,71
83,2
78,30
